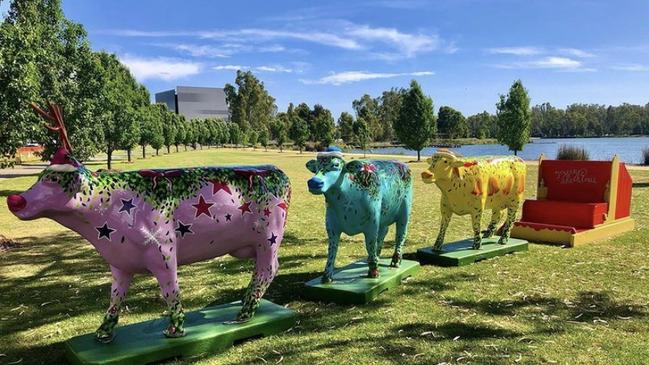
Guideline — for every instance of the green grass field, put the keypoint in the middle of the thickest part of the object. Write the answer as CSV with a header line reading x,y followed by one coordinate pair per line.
x,y
586,305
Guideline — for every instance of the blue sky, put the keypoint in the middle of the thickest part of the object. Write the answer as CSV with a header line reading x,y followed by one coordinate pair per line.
x,y
463,52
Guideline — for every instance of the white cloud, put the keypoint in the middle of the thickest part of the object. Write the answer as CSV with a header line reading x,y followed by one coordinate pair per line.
x,y
552,62
576,52
517,51
343,35
346,77
634,67
273,69
263,68
555,62
159,68
230,67
409,44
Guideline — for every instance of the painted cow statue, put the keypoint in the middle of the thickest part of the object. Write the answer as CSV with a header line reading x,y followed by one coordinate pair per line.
x,y
155,220
471,185
362,196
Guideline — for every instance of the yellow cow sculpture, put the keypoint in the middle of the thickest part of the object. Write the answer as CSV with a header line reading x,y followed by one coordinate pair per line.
x,y
471,185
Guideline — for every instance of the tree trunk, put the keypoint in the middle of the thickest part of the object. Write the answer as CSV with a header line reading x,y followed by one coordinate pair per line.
x,y
157,152
176,148
515,153
418,155
185,147
128,155
300,150
168,149
109,157
143,151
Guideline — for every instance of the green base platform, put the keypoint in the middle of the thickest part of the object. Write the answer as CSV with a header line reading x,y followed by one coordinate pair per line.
x,y
460,253
352,286
143,343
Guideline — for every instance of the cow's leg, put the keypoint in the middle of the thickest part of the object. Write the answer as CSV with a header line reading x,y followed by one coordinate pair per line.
x,y
380,240
334,238
118,290
168,281
496,214
371,237
476,217
266,266
443,225
511,216
402,232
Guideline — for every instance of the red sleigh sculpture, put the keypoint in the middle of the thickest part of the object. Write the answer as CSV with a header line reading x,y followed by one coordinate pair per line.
x,y
577,202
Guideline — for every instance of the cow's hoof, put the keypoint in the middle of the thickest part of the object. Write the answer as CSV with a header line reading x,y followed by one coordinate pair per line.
x,y
476,247
373,273
326,279
104,337
396,261
173,332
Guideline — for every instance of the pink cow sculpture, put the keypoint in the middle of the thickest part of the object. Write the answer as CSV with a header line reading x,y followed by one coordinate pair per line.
x,y
155,220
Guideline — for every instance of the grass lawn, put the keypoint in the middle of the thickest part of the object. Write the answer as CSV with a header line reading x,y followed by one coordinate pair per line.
x,y
586,305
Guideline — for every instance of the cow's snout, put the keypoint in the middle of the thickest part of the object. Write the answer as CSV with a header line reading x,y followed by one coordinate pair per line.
x,y
426,175
16,202
315,184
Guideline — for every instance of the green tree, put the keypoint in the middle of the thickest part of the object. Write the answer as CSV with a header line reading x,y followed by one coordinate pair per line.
x,y
416,122
44,56
390,105
304,112
253,138
168,127
181,130
298,131
361,134
346,127
323,126
451,123
278,130
150,127
514,118
235,134
367,108
119,98
480,125
249,103
263,138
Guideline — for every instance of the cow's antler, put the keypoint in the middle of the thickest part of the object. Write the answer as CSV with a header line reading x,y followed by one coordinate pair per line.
x,y
55,115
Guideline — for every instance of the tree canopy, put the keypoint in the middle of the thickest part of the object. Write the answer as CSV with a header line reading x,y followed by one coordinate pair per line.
x,y
514,117
416,122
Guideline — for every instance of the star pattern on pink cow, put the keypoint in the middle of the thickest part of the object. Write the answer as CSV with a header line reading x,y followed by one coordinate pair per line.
x,y
202,207
267,212
245,207
220,185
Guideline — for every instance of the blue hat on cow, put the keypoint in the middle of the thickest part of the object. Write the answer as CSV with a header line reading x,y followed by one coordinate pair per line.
x,y
331,151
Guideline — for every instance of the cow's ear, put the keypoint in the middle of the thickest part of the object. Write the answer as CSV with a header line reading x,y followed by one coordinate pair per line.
x,y
353,166
457,163
312,166
429,160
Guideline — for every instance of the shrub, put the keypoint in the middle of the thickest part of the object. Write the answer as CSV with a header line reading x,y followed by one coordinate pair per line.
x,y
567,152
645,155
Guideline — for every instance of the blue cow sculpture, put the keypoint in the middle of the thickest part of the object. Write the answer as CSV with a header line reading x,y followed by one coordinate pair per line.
x,y
362,196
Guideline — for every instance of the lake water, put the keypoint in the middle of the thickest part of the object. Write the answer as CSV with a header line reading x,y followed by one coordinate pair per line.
x,y
628,148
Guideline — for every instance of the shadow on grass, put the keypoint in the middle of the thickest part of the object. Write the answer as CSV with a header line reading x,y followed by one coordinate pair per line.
x,y
588,306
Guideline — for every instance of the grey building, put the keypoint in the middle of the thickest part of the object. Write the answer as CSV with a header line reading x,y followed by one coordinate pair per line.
x,y
195,102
